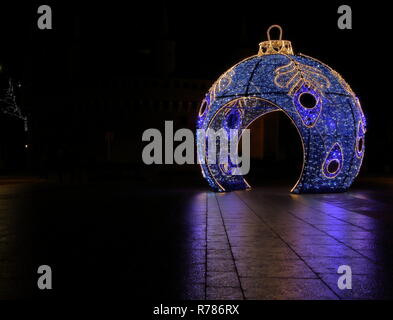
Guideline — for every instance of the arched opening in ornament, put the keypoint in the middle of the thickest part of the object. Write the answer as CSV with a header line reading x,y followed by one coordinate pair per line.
x,y
276,151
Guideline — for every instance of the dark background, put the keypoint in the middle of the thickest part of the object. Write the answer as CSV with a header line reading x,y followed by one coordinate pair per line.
x,y
80,80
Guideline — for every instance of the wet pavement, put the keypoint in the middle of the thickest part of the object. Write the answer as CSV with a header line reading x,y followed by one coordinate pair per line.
x,y
115,240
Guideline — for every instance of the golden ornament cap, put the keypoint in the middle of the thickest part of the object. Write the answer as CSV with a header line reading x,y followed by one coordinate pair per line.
x,y
275,46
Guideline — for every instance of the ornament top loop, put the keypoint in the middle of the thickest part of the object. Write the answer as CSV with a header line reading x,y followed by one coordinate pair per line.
x,y
275,46
270,28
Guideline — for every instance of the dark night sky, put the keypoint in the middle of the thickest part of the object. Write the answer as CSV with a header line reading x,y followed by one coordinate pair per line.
x,y
208,36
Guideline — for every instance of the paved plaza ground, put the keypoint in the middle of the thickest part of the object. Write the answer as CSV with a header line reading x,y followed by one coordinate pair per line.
x,y
115,240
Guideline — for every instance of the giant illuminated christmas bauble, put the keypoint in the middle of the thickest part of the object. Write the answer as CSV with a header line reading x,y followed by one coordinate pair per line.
x,y
321,105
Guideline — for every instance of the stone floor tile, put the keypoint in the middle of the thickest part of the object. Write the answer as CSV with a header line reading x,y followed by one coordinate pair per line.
x,y
285,289
222,279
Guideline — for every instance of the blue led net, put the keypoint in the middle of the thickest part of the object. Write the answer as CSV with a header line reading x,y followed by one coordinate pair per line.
x,y
332,130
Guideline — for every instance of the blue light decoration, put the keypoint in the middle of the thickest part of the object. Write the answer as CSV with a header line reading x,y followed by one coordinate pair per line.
x,y
321,105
